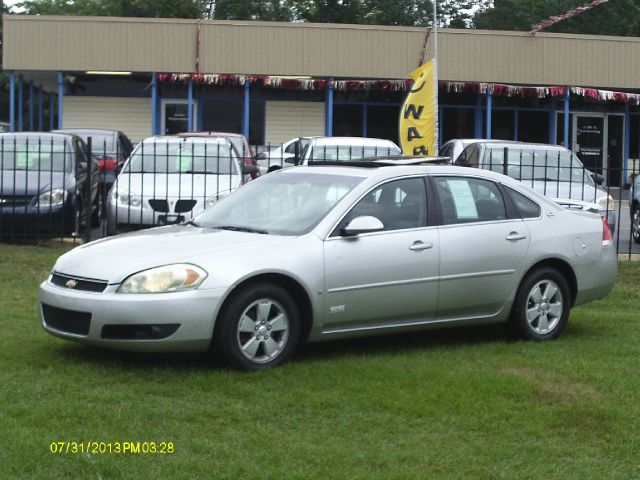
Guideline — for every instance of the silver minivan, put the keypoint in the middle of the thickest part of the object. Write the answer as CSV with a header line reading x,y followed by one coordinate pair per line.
x,y
551,170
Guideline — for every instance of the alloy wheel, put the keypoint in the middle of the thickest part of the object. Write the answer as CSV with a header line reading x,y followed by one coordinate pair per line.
x,y
263,330
544,307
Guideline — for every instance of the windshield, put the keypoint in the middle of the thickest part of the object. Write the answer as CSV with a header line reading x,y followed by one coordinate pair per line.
x,y
538,165
35,155
342,153
280,203
184,156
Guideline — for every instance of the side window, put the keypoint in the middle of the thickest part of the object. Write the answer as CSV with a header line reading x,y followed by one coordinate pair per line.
x,y
291,148
527,207
465,200
399,204
469,157
494,160
81,151
447,151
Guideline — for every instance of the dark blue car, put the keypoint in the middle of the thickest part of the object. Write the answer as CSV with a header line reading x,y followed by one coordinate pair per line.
x,y
45,187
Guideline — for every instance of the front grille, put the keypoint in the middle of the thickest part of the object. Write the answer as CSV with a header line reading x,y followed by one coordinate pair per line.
x,y
159,205
10,201
68,321
75,283
185,205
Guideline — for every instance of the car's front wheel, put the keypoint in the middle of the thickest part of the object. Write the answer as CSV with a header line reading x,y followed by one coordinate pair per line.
x,y
635,224
259,327
541,306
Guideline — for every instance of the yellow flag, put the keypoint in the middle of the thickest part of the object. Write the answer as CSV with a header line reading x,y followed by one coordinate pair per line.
x,y
419,114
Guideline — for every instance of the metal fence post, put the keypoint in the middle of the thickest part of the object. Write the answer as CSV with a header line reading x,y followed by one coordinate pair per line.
x,y
89,187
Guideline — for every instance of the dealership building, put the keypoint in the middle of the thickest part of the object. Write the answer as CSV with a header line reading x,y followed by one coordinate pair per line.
x,y
274,81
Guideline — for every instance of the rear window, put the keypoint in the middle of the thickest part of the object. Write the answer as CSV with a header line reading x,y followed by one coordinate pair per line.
x,y
527,207
537,165
345,153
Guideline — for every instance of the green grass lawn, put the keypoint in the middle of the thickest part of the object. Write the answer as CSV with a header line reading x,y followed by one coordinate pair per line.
x,y
459,403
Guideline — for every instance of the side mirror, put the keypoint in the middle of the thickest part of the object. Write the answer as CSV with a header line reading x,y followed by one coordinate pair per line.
x,y
292,159
599,179
363,224
249,169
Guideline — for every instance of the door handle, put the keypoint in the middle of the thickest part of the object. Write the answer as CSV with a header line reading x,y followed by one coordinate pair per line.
x,y
419,246
514,236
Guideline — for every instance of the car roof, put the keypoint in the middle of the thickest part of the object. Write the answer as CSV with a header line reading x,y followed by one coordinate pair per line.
x,y
210,134
86,131
531,145
36,136
184,138
364,141
390,172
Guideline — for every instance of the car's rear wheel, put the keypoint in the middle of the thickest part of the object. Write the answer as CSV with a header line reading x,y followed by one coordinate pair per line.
x,y
542,305
258,328
635,224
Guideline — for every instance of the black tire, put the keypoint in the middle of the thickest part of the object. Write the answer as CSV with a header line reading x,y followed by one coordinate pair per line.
x,y
96,215
635,224
74,226
529,317
241,322
273,168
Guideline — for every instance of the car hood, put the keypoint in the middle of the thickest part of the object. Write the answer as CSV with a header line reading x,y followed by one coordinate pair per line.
x,y
115,258
177,185
20,182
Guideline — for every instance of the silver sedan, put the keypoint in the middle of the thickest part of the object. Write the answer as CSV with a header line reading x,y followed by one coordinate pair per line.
x,y
319,252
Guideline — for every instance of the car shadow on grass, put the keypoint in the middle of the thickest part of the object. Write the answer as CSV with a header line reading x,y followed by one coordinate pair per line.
x,y
387,344
138,360
404,342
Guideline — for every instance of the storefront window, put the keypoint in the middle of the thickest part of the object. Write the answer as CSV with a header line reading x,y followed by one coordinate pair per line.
x,y
533,126
457,123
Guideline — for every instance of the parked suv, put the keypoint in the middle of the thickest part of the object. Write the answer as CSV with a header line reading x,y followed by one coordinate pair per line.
x,y
44,187
551,170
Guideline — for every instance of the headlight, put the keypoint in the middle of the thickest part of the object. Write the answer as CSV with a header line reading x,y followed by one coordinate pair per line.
x,y
53,198
126,198
170,278
605,202
214,198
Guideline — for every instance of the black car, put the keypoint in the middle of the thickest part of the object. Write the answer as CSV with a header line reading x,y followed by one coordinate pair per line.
x,y
44,187
110,148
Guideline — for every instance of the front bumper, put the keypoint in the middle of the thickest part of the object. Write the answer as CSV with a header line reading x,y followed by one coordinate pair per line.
x,y
21,220
145,216
193,311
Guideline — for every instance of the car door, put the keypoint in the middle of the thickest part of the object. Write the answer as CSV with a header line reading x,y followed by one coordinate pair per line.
x,y
483,247
388,276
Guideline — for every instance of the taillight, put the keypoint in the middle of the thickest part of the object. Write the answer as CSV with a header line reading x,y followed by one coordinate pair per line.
x,y
107,164
607,236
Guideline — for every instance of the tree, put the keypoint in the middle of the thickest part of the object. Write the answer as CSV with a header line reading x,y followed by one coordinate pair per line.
x,y
118,8
616,17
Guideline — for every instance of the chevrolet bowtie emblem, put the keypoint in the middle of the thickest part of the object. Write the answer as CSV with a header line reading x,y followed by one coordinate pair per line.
x,y
71,284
